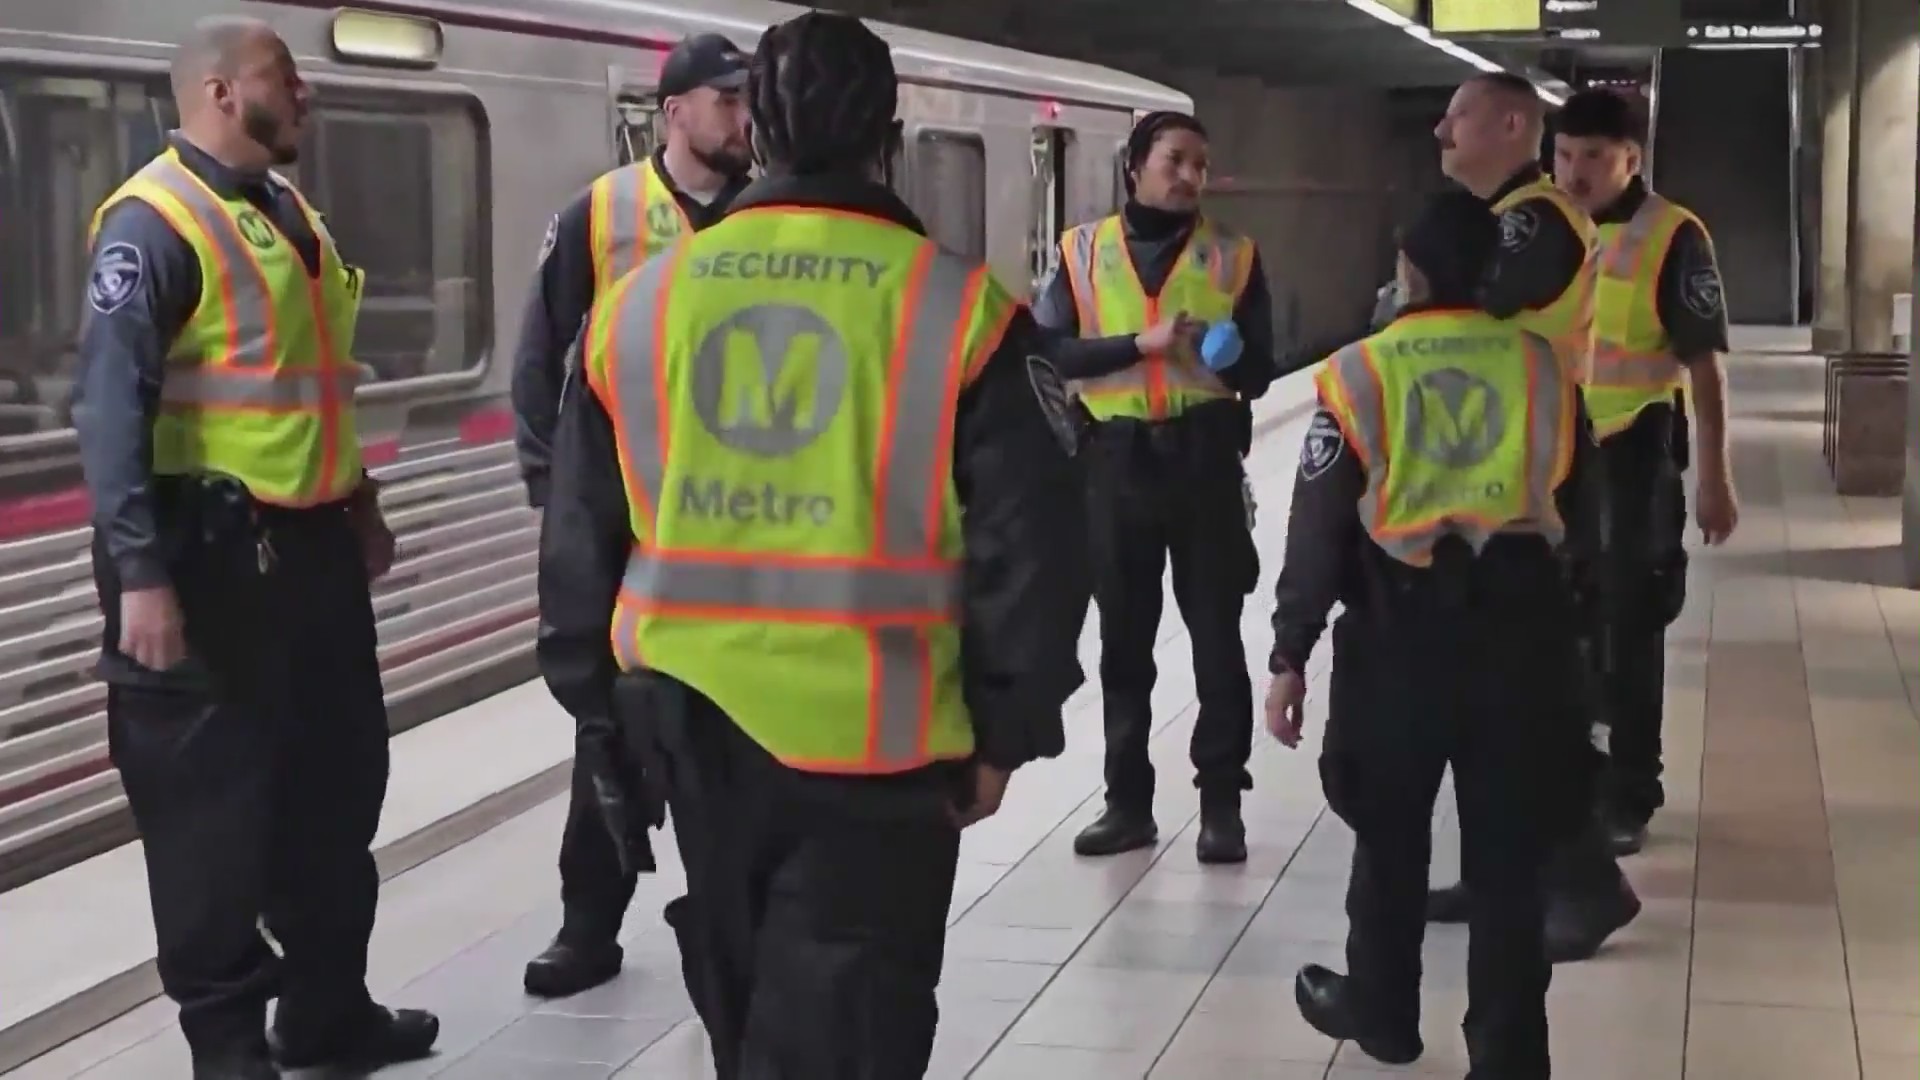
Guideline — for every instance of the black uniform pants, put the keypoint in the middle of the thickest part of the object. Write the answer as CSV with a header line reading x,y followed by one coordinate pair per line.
x,y
1160,492
1490,697
594,891
814,926
1647,512
256,773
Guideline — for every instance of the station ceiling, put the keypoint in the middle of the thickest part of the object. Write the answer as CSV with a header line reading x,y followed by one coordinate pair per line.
x,y
1282,42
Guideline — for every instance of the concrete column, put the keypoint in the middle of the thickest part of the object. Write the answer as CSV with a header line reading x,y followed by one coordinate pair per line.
x,y
1832,331
1886,125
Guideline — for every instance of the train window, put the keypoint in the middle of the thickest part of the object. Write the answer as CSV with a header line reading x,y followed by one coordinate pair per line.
x,y
1119,177
636,126
67,141
402,186
1049,201
948,181
400,180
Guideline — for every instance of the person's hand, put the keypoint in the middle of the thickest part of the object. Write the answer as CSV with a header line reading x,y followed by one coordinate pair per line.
x,y
1287,708
153,633
1162,336
989,788
1716,509
377,544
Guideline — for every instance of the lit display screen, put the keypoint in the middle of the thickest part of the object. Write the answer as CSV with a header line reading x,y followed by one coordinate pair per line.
x,y
1486,16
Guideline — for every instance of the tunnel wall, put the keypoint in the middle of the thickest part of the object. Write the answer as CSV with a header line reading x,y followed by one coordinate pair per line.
x,y
1722,150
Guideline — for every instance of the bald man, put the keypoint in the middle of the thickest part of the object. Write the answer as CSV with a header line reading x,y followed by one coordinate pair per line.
x,y
235,537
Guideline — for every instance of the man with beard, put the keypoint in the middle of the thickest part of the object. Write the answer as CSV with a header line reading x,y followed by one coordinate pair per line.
x,y
615,225
1545,278
235,535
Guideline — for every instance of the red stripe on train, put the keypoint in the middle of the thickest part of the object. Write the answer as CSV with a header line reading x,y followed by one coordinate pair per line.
x,y
53,511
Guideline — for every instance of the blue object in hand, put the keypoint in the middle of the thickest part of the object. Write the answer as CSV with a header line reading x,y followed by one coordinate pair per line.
x,y
1220,349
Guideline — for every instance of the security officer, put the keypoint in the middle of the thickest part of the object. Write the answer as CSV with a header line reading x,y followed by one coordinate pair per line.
x,y
833,548
1544,276
1164,473
1661,327
235,534
615,225
1460,440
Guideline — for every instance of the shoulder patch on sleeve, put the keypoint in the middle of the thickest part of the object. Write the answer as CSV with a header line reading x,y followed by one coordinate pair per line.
x,y
1702,291
1321,448
547,244
1518,227
117,272
1051,392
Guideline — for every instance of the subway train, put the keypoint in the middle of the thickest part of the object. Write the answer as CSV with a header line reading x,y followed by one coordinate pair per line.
x,y
444,136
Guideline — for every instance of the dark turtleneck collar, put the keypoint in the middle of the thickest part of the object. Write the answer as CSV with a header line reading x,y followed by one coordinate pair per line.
x,y
1628,204
1150,223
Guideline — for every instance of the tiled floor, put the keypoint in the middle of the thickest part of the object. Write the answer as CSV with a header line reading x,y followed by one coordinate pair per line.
x,y
1781,939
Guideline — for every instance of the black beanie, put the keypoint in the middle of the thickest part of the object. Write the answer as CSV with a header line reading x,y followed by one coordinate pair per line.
x,y
1453,243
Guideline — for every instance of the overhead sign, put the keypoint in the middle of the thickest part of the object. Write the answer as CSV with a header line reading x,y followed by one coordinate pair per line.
x,y
1765,32
1621,22
1486,16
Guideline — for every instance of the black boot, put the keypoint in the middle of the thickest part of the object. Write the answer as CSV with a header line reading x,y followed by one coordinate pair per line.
x,y
375,1039
1579,923
1450,905
1117,830
1326,1005
568,967
1223,834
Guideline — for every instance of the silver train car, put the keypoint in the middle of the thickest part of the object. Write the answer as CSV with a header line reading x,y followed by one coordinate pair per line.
x,y
445,134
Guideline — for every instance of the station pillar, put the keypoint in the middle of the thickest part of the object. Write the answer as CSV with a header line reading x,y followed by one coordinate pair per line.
x,y
1870,60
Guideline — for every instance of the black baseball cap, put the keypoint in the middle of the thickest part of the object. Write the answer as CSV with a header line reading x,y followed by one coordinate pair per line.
x,y
703,60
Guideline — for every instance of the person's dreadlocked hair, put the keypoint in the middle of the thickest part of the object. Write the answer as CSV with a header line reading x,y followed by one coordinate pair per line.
x,y
822,93
1147,132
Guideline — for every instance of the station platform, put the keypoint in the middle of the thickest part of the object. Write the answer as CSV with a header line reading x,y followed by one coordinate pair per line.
x,y
1780,941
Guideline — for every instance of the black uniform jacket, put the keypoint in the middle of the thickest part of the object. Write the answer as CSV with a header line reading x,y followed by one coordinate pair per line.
x,y
144,286
558,303
1540,253
1020,612
1155,239
1331,558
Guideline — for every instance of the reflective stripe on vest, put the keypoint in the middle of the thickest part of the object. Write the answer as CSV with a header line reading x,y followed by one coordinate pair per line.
x,y
1206,282
786,438
1633,362
1464,424
258,384
633,217
1567,322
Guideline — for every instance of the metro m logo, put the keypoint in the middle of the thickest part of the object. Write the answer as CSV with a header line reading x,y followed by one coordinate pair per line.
x,y
769,379
1454,418
762,391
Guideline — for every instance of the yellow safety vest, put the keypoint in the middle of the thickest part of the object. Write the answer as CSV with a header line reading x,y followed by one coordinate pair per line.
x,y
1567,323
1633,362
783,388
632,217
1206,282
259,383
1465,426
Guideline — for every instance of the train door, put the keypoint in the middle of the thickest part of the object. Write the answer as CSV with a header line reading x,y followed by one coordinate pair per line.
x,y
636,113
1048,215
